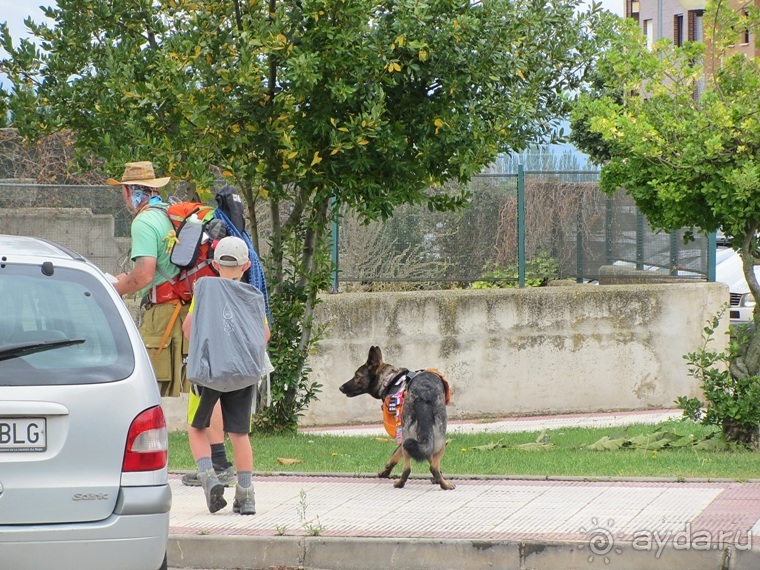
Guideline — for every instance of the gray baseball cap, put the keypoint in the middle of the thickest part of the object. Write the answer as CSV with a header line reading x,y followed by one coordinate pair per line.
x,y
231,251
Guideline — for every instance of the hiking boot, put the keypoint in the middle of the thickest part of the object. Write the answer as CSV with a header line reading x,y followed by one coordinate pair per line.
x,y
226,477
244,503
213,490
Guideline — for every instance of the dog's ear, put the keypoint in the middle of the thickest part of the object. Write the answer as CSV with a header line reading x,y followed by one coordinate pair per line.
x,y
375,357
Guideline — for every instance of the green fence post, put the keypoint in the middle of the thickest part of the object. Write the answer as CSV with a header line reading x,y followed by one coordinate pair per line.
x,y
579,246
639,240
674,253
334,237
608,231
520,226
712,245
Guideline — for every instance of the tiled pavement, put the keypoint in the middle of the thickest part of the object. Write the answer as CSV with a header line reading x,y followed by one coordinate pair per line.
x,y
337,523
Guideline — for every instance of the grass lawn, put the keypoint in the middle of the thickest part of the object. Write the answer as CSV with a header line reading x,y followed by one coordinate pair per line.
x,y
497,454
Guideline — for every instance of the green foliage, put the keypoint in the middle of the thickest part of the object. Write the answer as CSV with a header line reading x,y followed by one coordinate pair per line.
x,y
678,127
692,408
303,104
687,161
538,272
601,86
4,108
293,390
730,402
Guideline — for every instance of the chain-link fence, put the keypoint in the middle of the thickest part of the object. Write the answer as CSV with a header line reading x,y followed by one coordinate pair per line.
x,y
569,230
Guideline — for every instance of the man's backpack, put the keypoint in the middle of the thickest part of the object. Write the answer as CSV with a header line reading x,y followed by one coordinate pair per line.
x,y
228,200
193,255
190,249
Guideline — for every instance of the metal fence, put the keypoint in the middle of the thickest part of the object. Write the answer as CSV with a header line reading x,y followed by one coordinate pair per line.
x,y
526,226
533,225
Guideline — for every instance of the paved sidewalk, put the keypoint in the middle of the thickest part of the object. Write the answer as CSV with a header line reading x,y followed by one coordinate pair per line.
x,y
337,523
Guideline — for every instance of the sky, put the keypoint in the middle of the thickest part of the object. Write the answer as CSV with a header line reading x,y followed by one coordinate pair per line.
x,y
15,11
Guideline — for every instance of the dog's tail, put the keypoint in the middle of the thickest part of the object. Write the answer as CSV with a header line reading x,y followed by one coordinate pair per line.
x,y
421,448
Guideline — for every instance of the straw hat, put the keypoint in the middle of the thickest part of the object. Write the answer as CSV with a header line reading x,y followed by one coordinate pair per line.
x,y
140,173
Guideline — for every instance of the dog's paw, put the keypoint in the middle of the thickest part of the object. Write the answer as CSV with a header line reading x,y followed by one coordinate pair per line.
x,y
385,473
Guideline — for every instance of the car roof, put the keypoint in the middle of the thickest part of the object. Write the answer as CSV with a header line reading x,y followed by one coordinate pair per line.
x,y
26,246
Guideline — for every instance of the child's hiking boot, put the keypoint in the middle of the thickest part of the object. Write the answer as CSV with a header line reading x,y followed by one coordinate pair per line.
x,y
213,490
226,477
244,503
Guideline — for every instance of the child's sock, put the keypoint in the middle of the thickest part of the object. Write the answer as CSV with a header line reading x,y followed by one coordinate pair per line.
x,y
219,455
244,479
204,463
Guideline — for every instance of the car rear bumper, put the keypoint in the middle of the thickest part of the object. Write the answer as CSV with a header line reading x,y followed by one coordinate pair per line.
x,y
740,315
120,542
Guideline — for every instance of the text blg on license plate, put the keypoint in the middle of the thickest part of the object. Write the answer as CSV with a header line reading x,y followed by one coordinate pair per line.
x,y
23,435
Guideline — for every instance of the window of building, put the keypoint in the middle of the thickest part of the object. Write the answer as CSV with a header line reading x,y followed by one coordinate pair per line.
x,y
649,33
678,30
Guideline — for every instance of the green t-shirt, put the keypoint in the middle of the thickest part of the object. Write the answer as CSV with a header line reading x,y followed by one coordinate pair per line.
x,y
149,228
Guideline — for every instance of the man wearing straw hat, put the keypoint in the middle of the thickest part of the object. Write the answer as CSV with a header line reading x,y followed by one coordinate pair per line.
x,y
140,189
151,233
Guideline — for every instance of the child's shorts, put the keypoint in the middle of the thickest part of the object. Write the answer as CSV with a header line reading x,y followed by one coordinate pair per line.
x,y
236,409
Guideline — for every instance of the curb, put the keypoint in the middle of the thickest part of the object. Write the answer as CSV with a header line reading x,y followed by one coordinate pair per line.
x,y
351,553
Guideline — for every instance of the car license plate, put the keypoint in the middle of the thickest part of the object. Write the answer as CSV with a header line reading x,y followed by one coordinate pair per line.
x,y
23,435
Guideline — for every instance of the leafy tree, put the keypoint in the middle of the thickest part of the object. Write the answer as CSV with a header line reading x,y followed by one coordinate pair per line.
x,y
302,103
680,131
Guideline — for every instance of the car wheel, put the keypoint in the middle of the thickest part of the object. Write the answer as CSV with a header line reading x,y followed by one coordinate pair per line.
x,y
164,564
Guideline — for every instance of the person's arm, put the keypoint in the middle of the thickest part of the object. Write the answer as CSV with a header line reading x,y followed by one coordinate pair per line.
x,y
266,332
140,277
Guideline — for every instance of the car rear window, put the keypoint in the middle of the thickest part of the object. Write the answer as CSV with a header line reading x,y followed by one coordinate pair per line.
x,y
69,306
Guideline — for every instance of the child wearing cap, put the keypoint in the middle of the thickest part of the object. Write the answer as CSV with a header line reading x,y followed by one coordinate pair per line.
x,y
231,261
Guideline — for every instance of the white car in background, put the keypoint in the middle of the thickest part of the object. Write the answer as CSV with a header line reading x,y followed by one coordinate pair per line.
x,y
728,270
83,441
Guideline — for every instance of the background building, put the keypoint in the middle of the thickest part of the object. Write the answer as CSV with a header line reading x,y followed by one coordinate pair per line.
x,y
680,21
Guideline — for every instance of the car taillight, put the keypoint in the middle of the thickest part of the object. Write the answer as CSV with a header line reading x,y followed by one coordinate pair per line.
x,y
147,442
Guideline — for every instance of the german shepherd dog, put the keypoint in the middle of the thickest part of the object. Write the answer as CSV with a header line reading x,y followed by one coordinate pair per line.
x,y
423,417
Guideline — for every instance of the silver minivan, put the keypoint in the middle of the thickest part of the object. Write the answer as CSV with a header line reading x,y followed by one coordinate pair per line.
x,y
83,439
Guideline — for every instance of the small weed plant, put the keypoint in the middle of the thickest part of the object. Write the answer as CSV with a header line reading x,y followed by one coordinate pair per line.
x,y
314,529
281,529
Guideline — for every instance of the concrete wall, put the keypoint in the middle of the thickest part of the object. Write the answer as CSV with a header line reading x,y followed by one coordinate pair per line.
x,y
579,348
91,235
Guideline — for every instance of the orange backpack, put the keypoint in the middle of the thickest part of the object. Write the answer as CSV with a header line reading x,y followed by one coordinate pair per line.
x,y
189,251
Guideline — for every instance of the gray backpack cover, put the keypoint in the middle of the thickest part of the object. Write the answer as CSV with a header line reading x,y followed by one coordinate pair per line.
x,y
227,348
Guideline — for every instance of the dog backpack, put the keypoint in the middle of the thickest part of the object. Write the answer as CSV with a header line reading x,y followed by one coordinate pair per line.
x,y
195,230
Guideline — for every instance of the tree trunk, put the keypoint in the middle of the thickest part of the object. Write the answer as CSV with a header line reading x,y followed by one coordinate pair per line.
x,y
747,363
749,435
